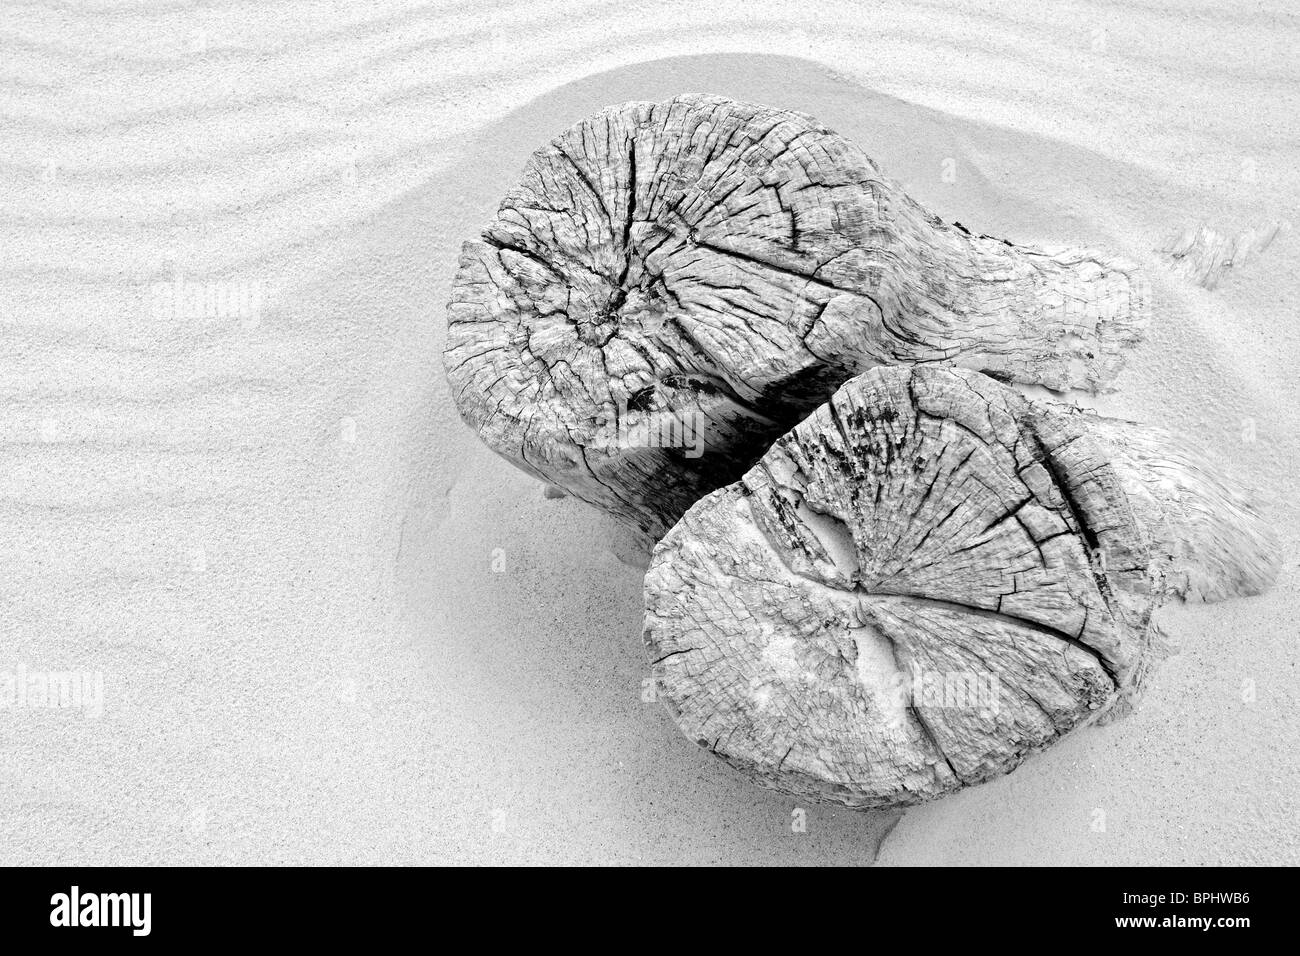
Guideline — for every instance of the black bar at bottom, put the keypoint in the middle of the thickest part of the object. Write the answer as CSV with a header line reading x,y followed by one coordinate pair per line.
x,y
211,906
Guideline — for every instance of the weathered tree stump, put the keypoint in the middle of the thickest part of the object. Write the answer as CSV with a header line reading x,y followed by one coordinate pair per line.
x,y
929,579
673,285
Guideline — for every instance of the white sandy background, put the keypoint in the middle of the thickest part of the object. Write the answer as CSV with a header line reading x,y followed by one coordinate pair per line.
x,y
333,628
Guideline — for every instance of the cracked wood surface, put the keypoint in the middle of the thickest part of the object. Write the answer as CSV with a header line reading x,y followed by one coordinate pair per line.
x,y
726,267
929,579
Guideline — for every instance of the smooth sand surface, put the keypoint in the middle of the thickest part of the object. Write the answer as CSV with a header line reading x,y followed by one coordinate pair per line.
x,y
332,627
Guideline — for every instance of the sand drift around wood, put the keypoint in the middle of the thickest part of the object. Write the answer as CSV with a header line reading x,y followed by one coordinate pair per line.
x,y
882,573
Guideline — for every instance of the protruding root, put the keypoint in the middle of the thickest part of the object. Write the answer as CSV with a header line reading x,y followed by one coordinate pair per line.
x,y
1211,542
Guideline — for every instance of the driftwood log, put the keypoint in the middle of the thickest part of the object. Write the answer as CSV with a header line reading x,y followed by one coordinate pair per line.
x,y
673,285
929,579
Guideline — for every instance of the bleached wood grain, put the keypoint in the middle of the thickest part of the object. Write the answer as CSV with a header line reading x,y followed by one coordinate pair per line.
x,y
717,269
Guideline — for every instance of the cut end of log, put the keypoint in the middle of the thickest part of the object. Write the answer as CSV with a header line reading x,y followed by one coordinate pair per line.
x,y
924,582
673,285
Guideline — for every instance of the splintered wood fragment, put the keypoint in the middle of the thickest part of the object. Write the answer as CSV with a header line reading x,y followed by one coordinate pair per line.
x,y
929,579
673,285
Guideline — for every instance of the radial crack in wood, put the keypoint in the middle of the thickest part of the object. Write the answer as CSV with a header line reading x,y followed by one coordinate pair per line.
x,y
929,579
673,285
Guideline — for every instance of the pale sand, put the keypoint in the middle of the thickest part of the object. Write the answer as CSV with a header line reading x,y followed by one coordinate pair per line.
x,y
276,541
